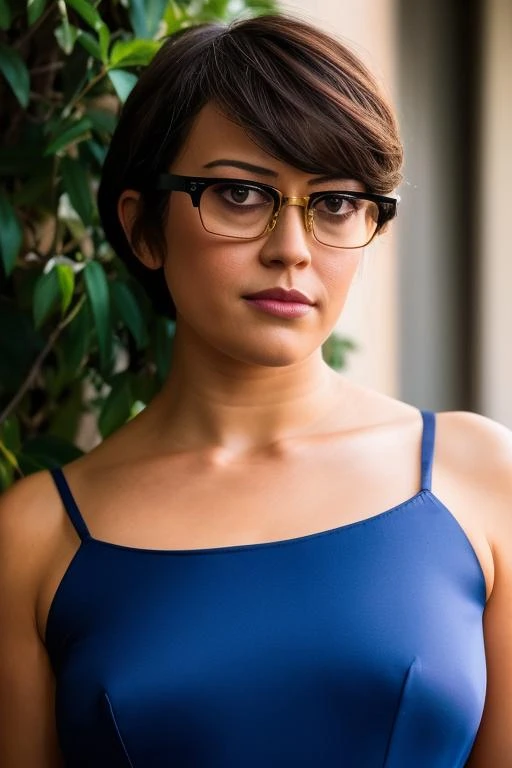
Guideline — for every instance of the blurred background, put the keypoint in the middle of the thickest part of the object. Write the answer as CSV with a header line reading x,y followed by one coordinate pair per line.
x,y
429,314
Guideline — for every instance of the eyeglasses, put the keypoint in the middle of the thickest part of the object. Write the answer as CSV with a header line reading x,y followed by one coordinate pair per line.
x,y
247,210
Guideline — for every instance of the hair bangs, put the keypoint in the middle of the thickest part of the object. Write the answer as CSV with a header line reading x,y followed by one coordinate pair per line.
x,y
319,113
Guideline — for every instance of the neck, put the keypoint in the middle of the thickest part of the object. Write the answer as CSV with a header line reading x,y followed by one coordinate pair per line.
x,y
213,401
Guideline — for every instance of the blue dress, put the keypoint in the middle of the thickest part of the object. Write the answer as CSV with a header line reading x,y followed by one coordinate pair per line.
x,y
356,647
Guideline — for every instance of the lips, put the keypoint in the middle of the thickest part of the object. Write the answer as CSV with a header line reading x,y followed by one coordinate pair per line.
x,y
282,294
286,304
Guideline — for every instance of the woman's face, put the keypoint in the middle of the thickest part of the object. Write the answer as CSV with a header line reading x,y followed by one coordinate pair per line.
x,y
210,276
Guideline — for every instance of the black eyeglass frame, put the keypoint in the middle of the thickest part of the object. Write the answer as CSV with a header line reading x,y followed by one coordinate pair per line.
x,y
196,185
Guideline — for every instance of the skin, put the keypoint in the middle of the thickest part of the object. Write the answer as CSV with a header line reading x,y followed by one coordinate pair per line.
x,y
252,439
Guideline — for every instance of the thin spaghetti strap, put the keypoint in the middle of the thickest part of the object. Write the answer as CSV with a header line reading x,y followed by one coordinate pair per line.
x,y
70,504
427,449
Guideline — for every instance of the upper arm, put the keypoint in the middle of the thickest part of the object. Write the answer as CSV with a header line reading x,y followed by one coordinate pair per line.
x,y
493,745
27,725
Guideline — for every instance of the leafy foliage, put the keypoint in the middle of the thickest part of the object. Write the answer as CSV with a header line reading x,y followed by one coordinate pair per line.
x,y
76,332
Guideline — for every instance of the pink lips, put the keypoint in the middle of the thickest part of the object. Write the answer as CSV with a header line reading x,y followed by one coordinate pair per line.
x,y
281,302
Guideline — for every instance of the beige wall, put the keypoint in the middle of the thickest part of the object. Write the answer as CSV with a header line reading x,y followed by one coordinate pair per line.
x,y
495,285
370,316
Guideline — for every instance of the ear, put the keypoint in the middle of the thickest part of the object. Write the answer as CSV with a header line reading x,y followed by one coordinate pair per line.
x,y
128,207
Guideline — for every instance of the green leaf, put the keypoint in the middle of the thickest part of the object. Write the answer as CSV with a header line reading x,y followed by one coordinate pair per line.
x,y
65,421
137,13
6,475
20,344
34,10
8,456
90,44
5,15
47,297
133,53
76,184
66,35
146,16
126,305
46,452
104,37
123,82
335,350
10,434
137,407
11,235
74,342
91,16
66,279
155,10
117,407
87,11
97,152
16,73
54,383
69,134
96,285
29,464
175,17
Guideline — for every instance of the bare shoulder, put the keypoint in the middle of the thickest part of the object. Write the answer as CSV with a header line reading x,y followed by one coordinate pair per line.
x,y
23,505
30,517
478,453
480,434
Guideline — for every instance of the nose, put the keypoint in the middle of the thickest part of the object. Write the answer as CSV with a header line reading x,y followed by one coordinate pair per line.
x,y
288,243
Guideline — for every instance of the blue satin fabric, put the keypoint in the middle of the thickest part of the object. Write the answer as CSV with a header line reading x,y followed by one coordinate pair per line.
x,y
357,647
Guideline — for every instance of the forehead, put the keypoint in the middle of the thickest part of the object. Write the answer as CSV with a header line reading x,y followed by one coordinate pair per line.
x,y
213,135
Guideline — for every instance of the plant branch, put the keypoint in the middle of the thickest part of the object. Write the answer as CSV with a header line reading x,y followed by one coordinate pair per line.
x,y
79,96
52,66
38,362
51,98
35,26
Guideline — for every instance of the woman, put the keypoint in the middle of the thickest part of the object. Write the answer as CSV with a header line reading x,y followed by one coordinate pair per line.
x,y
270,565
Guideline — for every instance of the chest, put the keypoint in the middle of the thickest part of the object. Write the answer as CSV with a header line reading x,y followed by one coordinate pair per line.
x,y
191,504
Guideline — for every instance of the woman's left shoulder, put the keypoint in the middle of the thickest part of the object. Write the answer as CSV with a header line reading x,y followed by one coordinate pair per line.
x,y
478,451
479,445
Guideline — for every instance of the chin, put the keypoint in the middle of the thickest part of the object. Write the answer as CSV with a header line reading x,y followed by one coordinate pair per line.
x,y
265,347
271,353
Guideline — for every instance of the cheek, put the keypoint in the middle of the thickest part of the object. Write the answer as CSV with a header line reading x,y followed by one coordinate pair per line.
x,y
197,260
336,274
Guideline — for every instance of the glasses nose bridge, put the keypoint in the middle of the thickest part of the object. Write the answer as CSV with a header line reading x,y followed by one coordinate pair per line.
x,y
301,202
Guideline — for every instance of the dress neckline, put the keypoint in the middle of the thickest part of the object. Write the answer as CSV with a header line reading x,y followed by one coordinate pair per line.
x,y
262,545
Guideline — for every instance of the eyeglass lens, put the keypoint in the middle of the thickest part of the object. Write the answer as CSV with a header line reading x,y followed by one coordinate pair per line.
x,y
244,211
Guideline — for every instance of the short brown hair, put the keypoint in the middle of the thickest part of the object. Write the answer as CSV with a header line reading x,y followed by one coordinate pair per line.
x,y
300,94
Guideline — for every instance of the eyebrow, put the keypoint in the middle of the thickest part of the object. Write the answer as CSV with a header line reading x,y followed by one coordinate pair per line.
x,y
243,167
268,172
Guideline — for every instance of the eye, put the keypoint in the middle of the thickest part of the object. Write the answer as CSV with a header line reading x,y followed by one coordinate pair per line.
x,y
242,195
336,205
